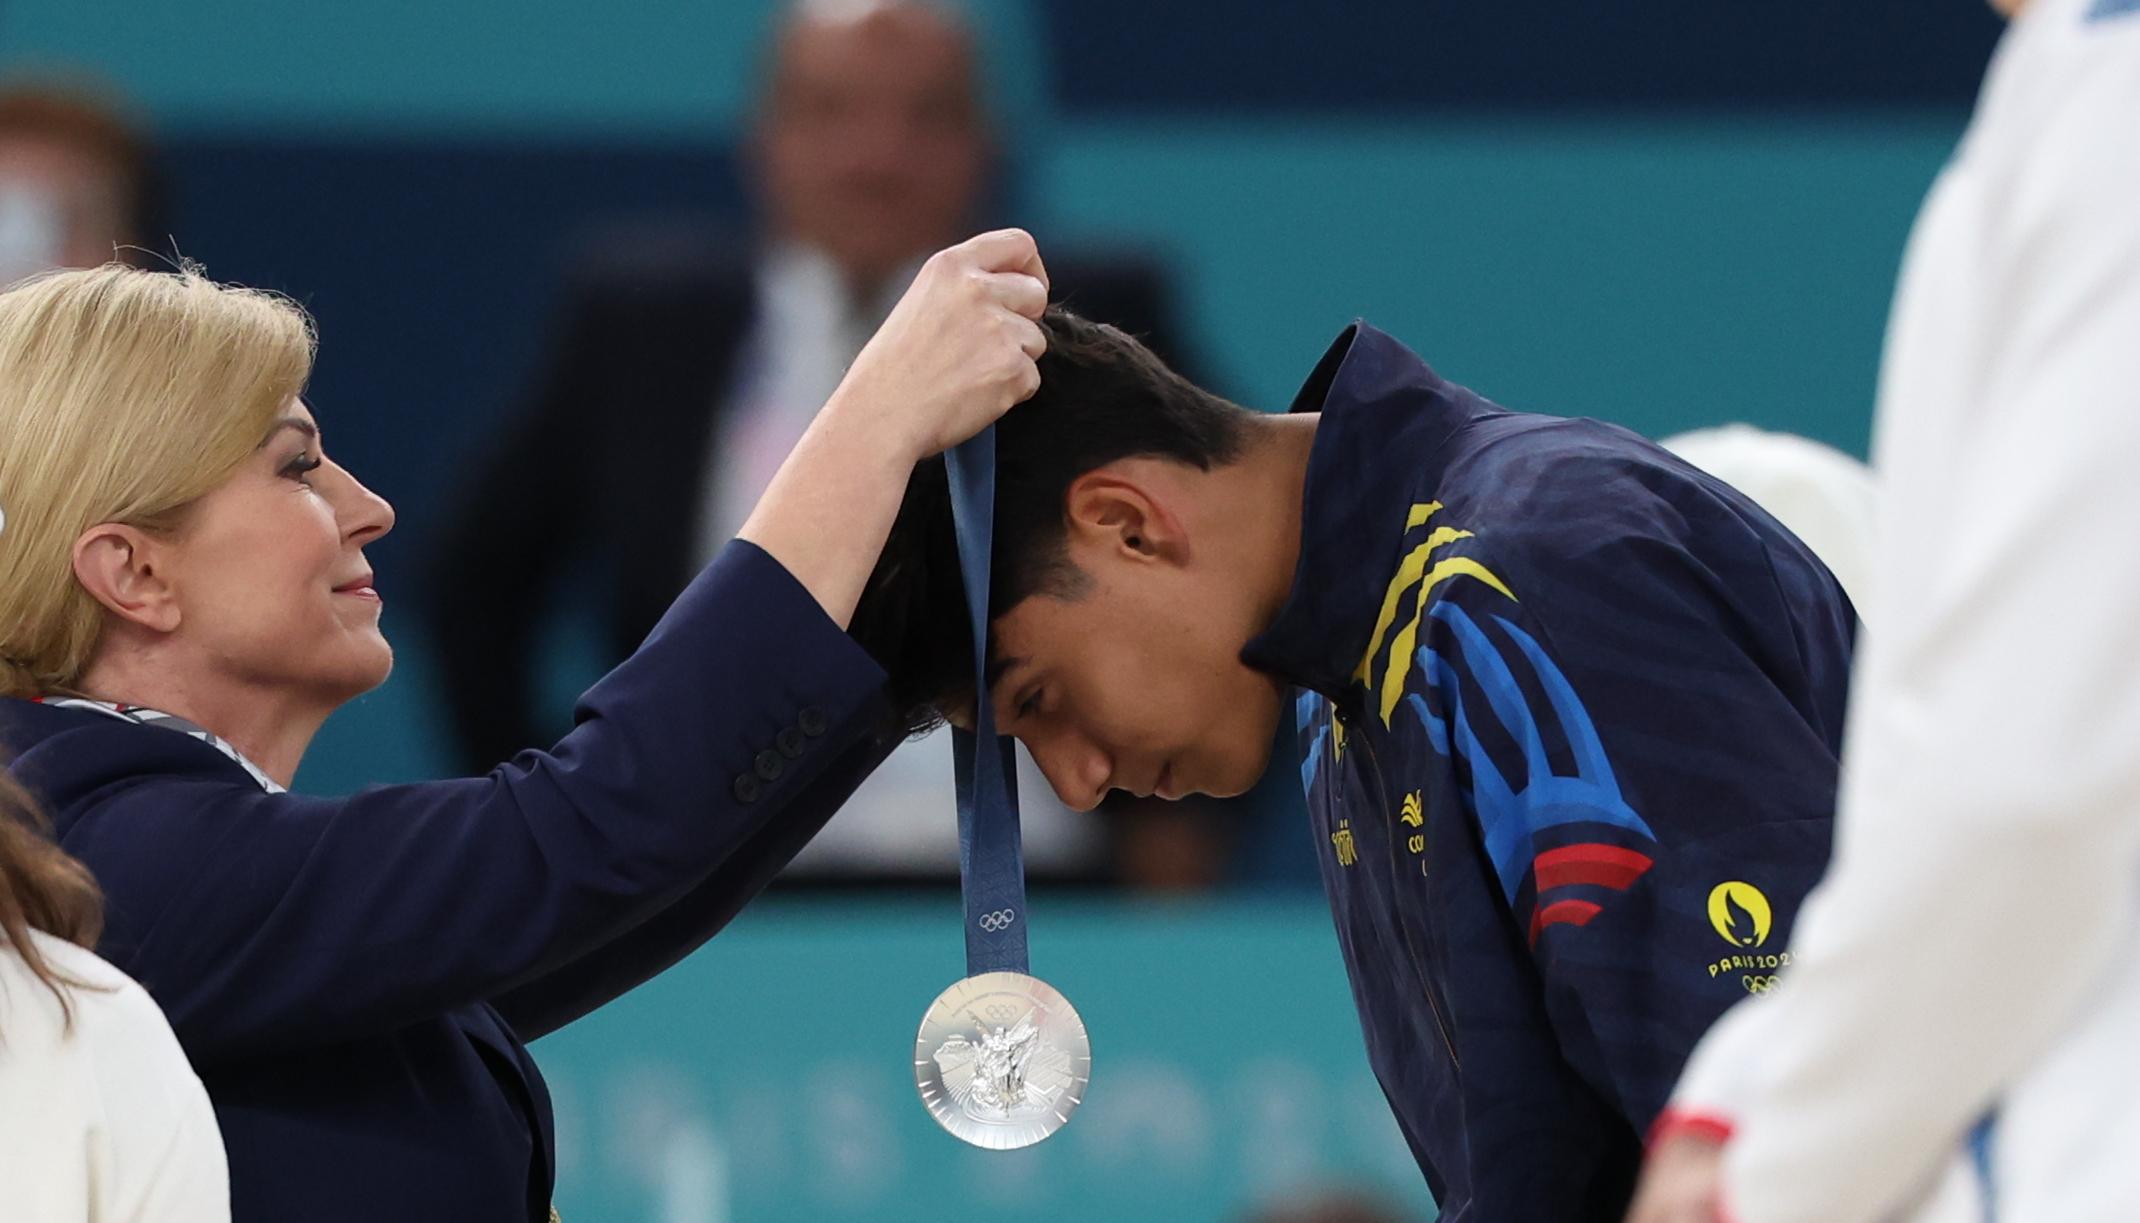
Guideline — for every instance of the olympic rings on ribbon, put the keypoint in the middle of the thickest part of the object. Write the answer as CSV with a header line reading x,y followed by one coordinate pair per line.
x,y
998,921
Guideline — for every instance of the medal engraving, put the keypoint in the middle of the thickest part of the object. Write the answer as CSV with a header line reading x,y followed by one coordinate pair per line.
x,y
1001,1060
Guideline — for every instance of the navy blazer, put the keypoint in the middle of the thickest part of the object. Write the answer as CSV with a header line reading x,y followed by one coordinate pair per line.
x,y
354,978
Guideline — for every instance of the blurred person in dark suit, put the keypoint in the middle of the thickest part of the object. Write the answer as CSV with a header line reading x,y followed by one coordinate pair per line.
x,y
689,363
76,185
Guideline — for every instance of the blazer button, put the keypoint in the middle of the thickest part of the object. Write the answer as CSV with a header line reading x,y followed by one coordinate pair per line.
x,y
769,766
790,742
812,721
747,789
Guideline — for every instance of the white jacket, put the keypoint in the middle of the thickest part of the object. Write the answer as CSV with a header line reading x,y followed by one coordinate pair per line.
x,y
105,1123
1959,1036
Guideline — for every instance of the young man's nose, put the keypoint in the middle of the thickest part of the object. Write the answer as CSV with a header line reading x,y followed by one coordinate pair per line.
x,y
1076,771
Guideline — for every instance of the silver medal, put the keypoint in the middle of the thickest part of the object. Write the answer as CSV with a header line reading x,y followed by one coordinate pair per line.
x,y
1001,1060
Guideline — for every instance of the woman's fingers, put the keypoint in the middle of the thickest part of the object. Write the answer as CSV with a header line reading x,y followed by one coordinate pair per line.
x,y
1005,250
1017,292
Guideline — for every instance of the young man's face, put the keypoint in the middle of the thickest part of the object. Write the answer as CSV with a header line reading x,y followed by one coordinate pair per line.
x,y
1135,682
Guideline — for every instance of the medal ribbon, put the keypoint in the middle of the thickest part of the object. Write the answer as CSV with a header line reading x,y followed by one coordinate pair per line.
x,y
991,859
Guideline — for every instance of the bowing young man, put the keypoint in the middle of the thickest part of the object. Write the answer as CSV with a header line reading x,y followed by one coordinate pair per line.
x,y
1568,712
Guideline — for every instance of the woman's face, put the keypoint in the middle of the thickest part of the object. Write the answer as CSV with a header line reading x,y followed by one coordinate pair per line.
x,y
269,576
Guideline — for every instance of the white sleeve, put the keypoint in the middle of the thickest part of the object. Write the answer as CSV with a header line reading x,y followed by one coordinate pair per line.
x,y
162,1155
1988,846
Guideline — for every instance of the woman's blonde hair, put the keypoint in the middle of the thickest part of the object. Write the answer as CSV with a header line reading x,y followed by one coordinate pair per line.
x,y
124,396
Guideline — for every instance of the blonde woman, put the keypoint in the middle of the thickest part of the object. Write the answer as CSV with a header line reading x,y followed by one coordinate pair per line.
x,y
101,1119
184,599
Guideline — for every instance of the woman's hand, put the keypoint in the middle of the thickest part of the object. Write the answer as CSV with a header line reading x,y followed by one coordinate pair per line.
x,y
956,352
1682,1182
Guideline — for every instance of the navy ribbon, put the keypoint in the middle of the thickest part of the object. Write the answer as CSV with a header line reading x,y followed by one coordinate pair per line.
x,y
991,859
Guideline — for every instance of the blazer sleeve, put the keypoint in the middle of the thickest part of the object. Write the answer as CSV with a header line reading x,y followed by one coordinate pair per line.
x,y
261,921
561,996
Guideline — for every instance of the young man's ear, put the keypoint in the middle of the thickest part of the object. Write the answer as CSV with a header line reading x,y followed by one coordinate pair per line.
x,y
120,567
1122,516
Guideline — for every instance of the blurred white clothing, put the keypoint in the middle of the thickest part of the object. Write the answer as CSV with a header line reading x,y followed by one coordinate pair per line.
x,y
1959,1035
105,1123
808,329
33,230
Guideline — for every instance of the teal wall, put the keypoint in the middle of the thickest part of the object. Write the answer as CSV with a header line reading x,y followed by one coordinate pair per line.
x,y
532,69
446,66
1663,273
768,1078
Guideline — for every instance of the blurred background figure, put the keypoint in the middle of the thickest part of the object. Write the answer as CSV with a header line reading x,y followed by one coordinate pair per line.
x,y
690,362
1824,496
76,182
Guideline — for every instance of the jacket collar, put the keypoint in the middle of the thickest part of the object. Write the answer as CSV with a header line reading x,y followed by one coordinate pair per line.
x,y
1386,417
65,754
142,715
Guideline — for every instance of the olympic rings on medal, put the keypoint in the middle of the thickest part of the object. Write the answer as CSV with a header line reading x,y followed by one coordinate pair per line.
x,y
998,921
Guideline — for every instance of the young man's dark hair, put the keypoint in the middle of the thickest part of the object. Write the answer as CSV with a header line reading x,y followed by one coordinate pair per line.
x,y
1569,713
1103,397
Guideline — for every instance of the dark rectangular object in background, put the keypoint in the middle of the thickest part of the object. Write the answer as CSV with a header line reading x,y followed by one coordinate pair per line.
x,y
1414,55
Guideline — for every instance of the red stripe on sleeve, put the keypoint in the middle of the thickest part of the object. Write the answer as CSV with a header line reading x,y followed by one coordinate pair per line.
x,y
1689,1123
1562,913
1604,865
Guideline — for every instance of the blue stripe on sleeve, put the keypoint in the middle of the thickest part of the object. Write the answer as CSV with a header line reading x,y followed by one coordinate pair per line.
x,y
1307,711
1583,741
1508,818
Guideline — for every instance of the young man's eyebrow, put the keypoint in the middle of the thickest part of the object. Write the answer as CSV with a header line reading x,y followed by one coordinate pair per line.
x,y
999,667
